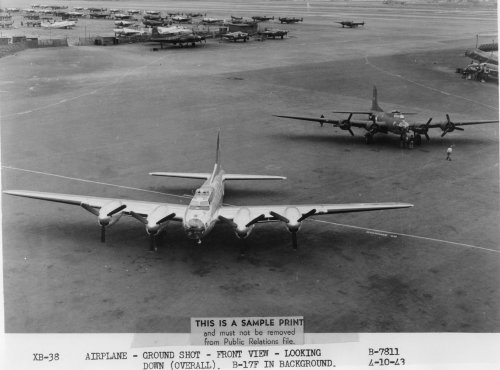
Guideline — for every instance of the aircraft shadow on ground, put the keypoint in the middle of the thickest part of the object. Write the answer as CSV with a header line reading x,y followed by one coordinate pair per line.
x,y
388,142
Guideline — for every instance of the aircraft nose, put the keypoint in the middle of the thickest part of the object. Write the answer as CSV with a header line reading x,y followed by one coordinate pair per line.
x,y
196,224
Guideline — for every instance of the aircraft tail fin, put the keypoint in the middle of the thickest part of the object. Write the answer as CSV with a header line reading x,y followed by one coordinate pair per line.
x,y
375,106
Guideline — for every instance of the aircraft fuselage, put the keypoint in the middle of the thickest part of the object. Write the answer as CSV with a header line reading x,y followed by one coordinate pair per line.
x,y
201,214
389,122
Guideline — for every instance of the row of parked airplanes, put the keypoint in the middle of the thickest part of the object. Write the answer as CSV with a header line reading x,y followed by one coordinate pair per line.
x,y
207,208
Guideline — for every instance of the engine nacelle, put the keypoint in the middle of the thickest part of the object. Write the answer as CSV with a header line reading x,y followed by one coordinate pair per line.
x,y
155,219
108,215
371,126
448,127
345,125
293,214
241,219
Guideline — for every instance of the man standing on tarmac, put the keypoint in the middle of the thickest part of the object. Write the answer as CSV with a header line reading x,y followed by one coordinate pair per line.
x,y
448,152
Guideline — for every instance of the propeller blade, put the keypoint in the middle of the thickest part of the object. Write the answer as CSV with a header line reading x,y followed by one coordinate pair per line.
x,y
279,217
306,215
255,220
139,217
103,234
350,131
459,128
448,118
427,136
116,210
166,218
228,221
152,243
444,133
294,240
429,122
90,209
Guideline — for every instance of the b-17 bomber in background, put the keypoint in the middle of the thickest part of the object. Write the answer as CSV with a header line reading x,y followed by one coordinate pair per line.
x,y
351,24
235,36
393,122
205,209
289,20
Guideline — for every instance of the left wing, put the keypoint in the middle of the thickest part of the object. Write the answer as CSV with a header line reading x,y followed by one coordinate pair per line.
x,y
335,122
97,203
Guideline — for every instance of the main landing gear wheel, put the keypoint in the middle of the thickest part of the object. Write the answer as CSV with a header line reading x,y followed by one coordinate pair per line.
x,y
418,139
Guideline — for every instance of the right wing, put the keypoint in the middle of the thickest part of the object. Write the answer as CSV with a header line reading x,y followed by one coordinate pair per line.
x,y
267,211
139,207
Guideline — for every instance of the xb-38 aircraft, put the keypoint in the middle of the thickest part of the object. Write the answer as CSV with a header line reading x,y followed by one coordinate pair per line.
x,y
205,209
393,122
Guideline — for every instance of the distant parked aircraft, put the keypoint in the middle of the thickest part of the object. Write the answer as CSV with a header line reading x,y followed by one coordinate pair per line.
x,y
59,25
261,18
235,36
289,20
175,35
351,24
273,33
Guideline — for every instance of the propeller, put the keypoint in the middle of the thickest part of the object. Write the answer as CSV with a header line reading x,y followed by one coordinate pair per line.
x,y
322,123
90,209
427,129
103,219
346,124
242,233
306,215
450,126
152,228
293,227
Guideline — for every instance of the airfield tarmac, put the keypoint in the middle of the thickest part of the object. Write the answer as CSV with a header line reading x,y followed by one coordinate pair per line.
x,y
109,115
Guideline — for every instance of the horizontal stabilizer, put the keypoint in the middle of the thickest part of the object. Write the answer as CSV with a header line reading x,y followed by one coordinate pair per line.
x,y
229,176
186,175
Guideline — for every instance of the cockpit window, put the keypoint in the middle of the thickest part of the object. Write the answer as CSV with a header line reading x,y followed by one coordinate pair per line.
x,y
199,207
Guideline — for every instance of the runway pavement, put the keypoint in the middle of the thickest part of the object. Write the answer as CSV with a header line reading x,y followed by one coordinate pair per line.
x,y
96,120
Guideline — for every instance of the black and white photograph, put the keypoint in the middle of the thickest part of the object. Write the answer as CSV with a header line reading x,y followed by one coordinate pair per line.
x,y
331,160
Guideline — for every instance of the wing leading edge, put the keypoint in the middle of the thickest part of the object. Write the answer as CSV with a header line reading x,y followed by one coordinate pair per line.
x,y
135,206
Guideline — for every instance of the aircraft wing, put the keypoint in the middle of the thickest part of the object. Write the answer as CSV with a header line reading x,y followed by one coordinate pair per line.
x,y
235,176
320,120
465,123
186,175
140,207
334,122
307,210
